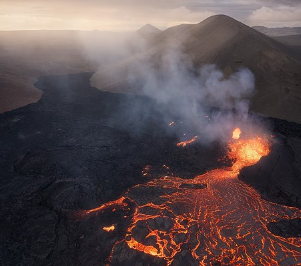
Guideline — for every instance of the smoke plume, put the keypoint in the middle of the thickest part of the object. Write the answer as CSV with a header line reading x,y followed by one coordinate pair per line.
x,y
203,99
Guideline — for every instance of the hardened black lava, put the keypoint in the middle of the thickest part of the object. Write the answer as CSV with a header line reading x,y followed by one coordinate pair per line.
x,y
72,151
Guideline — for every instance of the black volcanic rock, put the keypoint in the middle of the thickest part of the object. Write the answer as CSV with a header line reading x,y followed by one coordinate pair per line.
x,y
286,228
184,258
75,150
193,186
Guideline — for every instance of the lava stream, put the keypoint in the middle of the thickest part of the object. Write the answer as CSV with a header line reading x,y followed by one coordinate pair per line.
x,y
184,143
224,223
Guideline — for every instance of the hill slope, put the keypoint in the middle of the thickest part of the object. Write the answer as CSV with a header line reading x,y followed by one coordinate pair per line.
x,y
230,45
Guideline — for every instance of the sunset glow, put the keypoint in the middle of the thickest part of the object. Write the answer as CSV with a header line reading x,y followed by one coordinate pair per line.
x,y
130,15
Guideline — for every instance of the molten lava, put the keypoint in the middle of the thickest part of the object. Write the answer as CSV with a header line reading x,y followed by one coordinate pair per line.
x,y
236,133
184,143
120,203
222,223
109,228
248,152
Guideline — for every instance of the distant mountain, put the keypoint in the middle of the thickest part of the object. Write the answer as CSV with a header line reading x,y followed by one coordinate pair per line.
x,y
291,40
229,44
275,32
148,31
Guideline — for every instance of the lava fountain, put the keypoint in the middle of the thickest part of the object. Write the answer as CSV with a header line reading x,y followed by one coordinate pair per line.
x,y
247,152
236,133
215,218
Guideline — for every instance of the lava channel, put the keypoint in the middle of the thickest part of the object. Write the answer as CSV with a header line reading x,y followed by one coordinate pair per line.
x,y
222,223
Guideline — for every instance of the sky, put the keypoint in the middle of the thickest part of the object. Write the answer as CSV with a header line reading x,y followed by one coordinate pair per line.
x,y
128,15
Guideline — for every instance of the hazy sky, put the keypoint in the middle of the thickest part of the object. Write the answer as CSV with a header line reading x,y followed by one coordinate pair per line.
x,y
118,15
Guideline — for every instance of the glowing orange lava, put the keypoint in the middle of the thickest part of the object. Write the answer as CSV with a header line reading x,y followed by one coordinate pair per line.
x,y
248,152
184,143
109,228
120,203
222,223
236,133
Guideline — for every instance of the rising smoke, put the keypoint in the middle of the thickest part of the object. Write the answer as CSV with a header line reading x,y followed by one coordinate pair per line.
x,y
185,92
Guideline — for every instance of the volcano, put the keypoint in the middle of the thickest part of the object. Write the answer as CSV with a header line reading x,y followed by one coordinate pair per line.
x,y
229,44
116,177
79,189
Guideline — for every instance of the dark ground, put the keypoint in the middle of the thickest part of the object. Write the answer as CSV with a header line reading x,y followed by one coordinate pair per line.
x,y
72,151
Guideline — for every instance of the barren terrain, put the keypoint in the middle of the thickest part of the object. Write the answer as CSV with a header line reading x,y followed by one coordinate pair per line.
x,y
93,172
71,152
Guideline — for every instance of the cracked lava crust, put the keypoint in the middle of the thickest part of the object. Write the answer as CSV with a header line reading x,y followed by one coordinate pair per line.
x,y
215,218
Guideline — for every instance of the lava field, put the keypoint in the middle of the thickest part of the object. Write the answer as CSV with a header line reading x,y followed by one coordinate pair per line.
x,y
79,188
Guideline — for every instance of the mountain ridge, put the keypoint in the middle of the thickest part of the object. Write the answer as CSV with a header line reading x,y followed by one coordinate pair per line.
x,y
231,45
278,31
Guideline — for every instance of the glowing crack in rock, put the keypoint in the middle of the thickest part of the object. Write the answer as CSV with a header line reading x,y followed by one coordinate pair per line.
x,y
223,224
184,143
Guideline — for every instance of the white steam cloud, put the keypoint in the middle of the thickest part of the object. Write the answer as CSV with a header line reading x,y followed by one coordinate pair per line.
x,y
185,92
176,85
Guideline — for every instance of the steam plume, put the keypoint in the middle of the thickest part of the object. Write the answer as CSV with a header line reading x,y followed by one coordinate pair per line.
x,y
184,91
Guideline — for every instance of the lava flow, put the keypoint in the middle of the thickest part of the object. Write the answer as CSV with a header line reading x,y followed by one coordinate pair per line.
x,y
184,143
215,217
109,228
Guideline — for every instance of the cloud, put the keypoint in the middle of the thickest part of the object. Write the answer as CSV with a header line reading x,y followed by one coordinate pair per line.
x,y
180,15
283,2
131,14
276,16
103,15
